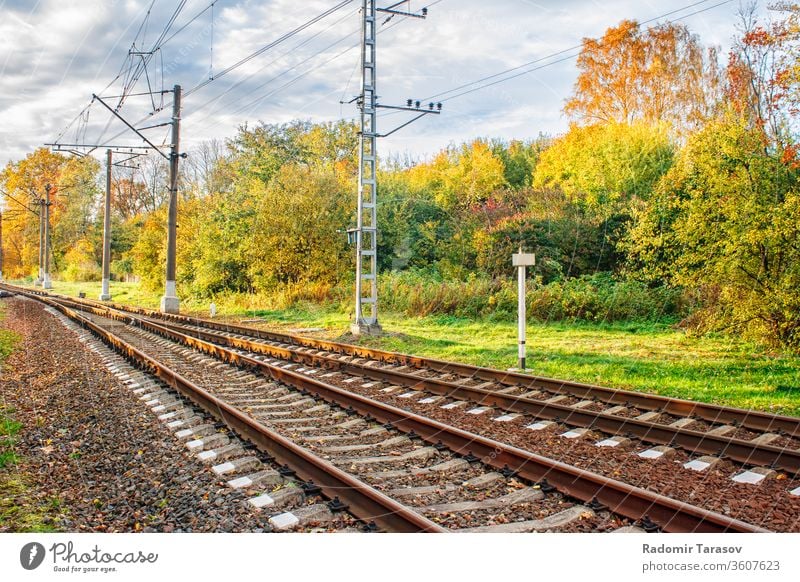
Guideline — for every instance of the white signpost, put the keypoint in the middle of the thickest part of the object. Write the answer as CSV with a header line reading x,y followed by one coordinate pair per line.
x,y
522,260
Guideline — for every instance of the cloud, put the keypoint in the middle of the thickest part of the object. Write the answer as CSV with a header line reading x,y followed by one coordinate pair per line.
x,y
55,53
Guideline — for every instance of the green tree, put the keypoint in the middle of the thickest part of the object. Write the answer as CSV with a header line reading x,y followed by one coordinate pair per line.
x,y
606,167
149,254
726,219
297,235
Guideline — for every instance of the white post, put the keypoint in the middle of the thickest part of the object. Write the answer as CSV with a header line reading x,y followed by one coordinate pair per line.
x,y
521,261
521,323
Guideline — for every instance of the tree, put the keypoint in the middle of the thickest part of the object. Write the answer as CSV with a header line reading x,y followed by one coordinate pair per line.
x,y
297,229
129,197
149,254
204,171
73,195
657,74
726,218
567,242
519,160
605,167
153,169
763,77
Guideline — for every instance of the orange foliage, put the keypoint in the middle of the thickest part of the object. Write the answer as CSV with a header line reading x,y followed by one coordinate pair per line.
x,y
658,74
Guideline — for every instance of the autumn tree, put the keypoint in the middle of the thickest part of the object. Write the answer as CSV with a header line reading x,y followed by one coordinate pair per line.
x,y
153,173
203,172
606,166
763,77
661,73
73,193
725,221
129,197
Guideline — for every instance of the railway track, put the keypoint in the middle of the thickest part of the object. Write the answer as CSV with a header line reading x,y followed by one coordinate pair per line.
x,y
753,439
297,407
486,378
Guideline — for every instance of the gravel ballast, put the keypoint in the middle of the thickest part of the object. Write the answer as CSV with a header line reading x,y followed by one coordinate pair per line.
x,y
89,447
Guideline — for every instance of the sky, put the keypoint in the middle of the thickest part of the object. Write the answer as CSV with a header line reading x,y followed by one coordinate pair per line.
x,y
55,54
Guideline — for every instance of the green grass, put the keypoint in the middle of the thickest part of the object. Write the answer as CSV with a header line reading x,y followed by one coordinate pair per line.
x,y
7,341
8,426
8,430
649,358
645,357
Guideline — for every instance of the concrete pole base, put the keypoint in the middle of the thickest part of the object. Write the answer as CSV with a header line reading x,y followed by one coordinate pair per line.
x,y
47,284
170,304
363,328
105,294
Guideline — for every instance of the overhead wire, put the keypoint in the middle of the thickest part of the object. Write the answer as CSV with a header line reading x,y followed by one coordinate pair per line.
x,y
190,21
260,51
147,55
448,95
116,77
136,72
270,45
481,83
269,64
307,72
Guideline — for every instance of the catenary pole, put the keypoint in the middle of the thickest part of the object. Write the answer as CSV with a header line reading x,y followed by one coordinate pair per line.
x,y
40,276
170,302
105,294
366,231
46,283
366,312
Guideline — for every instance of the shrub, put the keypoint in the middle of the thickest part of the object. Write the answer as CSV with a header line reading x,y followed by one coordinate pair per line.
x,y
593,298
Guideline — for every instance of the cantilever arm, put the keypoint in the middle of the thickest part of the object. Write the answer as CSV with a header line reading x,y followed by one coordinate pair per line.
x,y
136,131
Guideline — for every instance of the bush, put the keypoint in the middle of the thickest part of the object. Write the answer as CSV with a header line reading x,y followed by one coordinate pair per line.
x,y
122,269
81,265
601,298
592,298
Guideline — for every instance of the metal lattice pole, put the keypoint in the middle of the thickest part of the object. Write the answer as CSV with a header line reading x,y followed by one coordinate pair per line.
x,y
366,231
366,312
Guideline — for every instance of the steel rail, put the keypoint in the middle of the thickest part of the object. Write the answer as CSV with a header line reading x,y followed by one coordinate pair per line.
x,y
627,500
364,501
739,450
751,419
